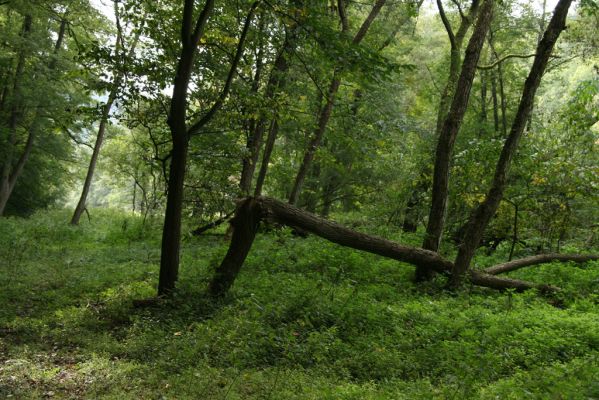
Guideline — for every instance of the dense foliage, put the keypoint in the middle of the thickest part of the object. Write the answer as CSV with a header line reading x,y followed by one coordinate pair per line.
x,y
456,139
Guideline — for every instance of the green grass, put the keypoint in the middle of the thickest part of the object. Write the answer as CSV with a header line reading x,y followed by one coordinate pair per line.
x,y
305,320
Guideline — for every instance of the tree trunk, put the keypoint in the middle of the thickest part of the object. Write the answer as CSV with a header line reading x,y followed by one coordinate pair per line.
x,y
495,103
451,126
180,133
276,82
514,232
484,212
538,259
81,205
325,112
268,148
251,211
323,120
171,231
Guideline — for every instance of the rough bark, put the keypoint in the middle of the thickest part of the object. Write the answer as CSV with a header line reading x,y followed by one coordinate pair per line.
x,y
539,259
171,232
451,126
251,211
484,212
245,225
180,133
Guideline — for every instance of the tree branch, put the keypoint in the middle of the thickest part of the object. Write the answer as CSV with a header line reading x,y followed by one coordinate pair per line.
x,y
368,21
197,127
539,259
446,24
507,57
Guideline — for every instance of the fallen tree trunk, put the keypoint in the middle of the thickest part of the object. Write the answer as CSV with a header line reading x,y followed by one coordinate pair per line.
x,y
539,259
252,210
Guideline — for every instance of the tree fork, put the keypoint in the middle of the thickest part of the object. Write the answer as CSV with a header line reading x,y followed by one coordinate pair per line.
x,y
481,216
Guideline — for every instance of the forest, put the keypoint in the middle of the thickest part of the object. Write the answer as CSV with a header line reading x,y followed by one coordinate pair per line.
x,y
299,199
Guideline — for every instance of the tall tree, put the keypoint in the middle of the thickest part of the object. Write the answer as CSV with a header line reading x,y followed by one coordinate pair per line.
x,y
450,128
123,55
326,110
481,216
191,35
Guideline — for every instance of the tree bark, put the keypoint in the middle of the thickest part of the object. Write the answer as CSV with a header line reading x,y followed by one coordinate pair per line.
x,y
451,126
251,211
323,121
539,259
484,212
268,148
171,231
81,204
180,133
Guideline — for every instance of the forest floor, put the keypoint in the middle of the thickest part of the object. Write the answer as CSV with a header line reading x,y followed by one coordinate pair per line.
x,y
305,320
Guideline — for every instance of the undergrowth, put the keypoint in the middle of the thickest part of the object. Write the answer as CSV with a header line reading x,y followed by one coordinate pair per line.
x,y
305,320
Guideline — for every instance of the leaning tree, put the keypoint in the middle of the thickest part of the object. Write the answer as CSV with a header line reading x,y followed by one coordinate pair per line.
x,y
251,211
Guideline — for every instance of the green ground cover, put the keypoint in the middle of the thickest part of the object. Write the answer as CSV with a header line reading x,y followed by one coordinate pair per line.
x,y
305,320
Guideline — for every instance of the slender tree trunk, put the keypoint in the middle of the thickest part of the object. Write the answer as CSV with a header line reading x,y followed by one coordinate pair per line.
x,y
171,232
268,148
325,112
323,120
81,205
483,97
495,103
451,126
514,232
484,212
